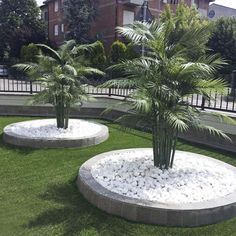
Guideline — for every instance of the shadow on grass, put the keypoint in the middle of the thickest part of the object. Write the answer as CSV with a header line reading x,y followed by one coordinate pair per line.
x,y
204,149
76,215
144,134
19,150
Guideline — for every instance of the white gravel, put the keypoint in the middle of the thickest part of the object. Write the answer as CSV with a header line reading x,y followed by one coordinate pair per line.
x,y
47,129
193,178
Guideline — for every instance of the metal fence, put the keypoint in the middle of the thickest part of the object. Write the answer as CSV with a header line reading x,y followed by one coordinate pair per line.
x,y
222,102
8,85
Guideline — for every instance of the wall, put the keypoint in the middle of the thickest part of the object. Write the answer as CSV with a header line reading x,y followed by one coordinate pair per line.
x,y
217,11
16,105
110,15
55,18
104,27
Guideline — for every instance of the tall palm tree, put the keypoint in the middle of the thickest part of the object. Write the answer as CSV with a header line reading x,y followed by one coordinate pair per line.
x,y
63,74
170,71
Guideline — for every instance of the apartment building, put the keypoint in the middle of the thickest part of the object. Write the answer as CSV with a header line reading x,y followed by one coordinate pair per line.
x,y
110,13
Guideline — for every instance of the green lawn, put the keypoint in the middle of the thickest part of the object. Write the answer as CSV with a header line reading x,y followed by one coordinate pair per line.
x,y
38,195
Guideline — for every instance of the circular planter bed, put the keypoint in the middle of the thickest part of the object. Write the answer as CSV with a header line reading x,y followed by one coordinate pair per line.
x,y
45,134
198,191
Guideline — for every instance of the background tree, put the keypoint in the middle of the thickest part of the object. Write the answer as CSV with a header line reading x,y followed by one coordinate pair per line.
x,y
29,53
20,24
162,78
79,15
185,19
97,56
223,41
118,51
132,51
63,75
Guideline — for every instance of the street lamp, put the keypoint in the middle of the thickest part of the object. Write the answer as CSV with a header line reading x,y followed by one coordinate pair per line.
x,y
145,7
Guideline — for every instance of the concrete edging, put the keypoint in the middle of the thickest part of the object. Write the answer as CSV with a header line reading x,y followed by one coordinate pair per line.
x,y
184,215
10,137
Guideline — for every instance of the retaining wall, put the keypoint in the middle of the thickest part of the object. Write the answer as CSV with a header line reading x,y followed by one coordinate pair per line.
x,y
18,105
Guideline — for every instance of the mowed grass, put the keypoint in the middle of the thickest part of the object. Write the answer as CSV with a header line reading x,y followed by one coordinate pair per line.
x,y
38,194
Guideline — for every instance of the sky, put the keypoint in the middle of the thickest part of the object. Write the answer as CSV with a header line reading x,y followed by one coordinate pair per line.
x,y
40,2
228,3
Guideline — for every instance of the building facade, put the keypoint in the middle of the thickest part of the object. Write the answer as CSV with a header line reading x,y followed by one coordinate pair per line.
x,y
216,11
110,14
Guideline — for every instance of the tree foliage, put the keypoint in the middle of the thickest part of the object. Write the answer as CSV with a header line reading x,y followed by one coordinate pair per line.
x,y
118,51
20,24
97,56
185,19
223,41
132,51
63,75
29,53
79,15
171,70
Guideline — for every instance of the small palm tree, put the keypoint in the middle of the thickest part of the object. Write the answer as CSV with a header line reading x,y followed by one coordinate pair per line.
x,y
163,77
63,74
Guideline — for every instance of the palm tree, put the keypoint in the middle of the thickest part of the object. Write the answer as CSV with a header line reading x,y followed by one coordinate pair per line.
x,y
170,71
63,74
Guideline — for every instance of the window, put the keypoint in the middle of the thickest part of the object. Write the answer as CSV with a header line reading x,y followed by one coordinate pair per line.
x,y
62,28
56,6
56,32
128,17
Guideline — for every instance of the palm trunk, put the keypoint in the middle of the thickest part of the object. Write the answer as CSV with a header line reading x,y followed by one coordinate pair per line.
x,y
155,144
173,150
60,110
164,144
67,114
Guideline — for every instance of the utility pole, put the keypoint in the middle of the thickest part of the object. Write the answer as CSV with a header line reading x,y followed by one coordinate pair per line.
x,y
145,7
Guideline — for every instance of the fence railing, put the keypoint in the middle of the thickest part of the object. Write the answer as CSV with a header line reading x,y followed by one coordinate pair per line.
x,y
20,85
222,102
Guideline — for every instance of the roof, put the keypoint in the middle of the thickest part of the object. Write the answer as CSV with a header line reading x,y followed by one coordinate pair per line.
x,y
221,6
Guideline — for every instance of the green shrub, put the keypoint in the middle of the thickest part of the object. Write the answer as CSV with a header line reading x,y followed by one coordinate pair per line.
x,y
118,51
29,52
131,52
98,57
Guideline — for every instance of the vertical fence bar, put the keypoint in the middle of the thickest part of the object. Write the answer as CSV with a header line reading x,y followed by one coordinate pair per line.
x,y
227,100
4,88
109,92
215,102
209,101
8,84
203,103
31,87
192,100
197,100
221,100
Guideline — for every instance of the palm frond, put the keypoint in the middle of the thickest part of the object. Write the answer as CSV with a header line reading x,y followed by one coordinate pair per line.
x,y
25,66
49,49
213,131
